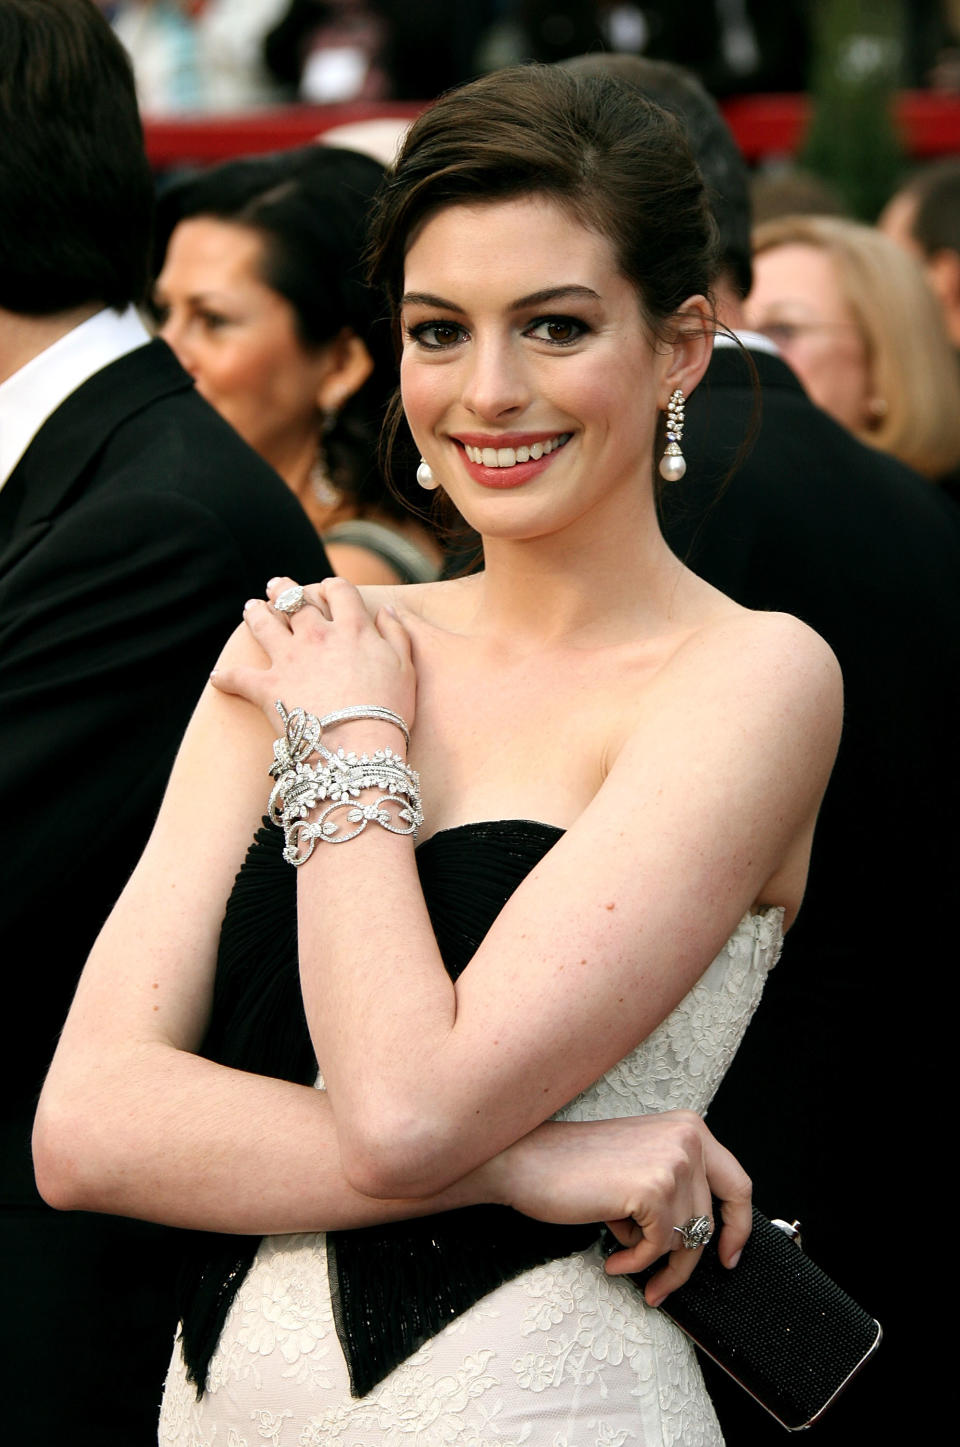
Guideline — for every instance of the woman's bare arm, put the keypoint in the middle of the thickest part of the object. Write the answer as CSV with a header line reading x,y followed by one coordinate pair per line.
x,y
716,790
133,1122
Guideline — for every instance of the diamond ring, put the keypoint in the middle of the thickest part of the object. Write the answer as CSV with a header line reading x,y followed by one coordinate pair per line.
x,y
695,1233
291,600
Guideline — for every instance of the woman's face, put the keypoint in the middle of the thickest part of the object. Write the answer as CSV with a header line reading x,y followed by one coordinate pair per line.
x,y
237,338
796,300
529,378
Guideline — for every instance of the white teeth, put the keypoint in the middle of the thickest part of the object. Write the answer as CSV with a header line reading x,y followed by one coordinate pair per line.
x,y
509,456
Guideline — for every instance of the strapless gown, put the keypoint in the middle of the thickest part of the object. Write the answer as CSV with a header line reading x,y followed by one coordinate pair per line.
x,y
562,1356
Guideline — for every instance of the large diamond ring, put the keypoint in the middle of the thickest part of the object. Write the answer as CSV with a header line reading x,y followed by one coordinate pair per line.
x,y
696,1232
290,600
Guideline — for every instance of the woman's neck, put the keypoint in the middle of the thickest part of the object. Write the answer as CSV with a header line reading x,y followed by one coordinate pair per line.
x,y
587,586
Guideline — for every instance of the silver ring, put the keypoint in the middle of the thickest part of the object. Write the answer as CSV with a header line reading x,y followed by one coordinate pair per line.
x,y
695,1233
291,600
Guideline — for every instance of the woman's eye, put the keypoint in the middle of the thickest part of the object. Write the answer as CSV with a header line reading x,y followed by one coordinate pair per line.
x,y
781,333
211,320
562,331
436,335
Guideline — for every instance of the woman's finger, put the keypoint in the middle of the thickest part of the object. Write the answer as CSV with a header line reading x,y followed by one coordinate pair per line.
x,y
627,1231
733,1188
639,1252
287,598
242,680
678,1269
392,630
342,600
730,1184
264,622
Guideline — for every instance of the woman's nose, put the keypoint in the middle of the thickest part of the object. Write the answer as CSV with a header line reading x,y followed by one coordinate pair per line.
x,y
174,332
498,383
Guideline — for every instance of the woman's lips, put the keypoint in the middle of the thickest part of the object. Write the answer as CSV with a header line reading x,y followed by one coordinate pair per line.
x,y
499,462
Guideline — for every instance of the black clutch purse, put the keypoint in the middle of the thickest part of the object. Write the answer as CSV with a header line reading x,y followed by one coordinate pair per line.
x,y
776,1323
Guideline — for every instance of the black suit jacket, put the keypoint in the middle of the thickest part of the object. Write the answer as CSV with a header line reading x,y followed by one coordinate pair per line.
x,y
132,531
823,1102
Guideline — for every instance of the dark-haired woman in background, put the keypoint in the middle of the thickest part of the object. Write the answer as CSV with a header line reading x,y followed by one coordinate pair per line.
x,y
621,769
260,293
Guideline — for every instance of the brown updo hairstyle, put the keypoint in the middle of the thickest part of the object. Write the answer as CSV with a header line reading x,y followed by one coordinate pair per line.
x,y
613,159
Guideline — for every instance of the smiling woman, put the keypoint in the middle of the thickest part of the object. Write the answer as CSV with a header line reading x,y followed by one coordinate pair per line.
x,y
260,293
487,347
615,773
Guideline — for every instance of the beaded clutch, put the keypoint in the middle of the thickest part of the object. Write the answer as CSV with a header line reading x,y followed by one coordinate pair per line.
x,y
776,1323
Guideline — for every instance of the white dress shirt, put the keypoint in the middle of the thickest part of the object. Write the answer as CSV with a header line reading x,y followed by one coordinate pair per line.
x,y
33,393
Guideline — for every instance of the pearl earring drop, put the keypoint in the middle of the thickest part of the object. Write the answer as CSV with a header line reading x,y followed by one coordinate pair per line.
x,y
673,463
425,476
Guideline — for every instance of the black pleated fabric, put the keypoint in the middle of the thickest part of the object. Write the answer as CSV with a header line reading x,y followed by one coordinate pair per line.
x,y
393,1286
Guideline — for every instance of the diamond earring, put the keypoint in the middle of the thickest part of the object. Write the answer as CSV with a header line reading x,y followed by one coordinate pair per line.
x,y
673,463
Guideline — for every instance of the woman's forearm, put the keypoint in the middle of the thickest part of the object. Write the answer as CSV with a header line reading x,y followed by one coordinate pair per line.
x,y
170,1137
167,1136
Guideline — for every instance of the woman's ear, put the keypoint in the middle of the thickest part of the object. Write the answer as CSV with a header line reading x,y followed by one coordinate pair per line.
x,y
687,351
349,366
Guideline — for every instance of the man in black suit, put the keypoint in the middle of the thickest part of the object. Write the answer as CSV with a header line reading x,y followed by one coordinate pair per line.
x,y
134,523
826,1101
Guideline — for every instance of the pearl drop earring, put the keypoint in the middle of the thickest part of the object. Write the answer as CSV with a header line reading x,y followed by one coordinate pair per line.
x,y
425,476
673,463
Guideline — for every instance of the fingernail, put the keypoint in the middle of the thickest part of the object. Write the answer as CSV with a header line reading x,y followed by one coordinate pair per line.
x,y
213,673
734,1259
656,1300
272,582
392,611
252,603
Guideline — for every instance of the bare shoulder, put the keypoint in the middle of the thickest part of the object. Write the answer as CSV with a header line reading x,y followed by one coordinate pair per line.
x,y
241,650
760,687
431,601
762,652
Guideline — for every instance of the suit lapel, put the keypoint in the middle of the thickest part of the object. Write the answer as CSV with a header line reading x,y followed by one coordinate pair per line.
x,y
53,469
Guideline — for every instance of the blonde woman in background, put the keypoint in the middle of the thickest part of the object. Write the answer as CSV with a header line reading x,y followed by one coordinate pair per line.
x,y
854,317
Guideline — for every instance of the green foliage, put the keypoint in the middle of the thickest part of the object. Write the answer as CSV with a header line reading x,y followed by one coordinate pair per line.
x,y
853,141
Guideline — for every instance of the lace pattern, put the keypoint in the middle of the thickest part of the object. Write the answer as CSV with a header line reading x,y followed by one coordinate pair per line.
x,y
681,1064
564,1356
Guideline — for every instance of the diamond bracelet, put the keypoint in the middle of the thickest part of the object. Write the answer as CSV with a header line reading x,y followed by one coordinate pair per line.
x,y
337,781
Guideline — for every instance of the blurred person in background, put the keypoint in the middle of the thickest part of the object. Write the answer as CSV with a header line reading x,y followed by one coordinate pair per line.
x,y
856,320
734,47
161,41
792,191
788,510
924,218
329,51
133,524
230,38
341,50
261,296
197,55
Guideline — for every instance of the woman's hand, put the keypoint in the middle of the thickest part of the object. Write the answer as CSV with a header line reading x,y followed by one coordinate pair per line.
x,y
643,1175
327,655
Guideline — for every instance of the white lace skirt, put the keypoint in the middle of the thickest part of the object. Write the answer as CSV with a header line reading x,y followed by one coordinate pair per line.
x,y
564,1356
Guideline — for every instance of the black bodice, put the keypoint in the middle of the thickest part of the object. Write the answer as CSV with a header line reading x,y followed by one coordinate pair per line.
x,y
393,1286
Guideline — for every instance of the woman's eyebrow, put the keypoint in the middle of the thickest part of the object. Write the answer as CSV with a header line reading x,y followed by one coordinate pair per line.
x,y
535,298
426,298
571,292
